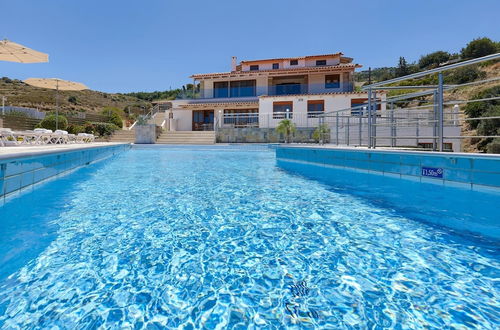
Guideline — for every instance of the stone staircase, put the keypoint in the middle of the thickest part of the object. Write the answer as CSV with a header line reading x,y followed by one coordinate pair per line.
x,y
187,137
124,135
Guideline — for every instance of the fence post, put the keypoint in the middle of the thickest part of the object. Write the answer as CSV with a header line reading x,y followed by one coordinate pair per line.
x,y
440,112
360,129
374,120
417,130
347,130
337,128
369,118
393,127
434,121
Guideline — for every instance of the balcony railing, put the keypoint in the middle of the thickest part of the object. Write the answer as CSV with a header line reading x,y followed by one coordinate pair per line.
x,y
272,90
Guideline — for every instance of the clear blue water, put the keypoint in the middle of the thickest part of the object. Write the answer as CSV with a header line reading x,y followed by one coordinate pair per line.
x,y
223,237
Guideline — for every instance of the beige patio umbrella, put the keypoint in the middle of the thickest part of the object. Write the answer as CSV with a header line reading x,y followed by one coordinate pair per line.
x,y
57,84
13,52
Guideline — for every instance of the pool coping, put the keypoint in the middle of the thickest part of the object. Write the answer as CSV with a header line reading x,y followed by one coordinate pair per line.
x,y
21,152
388,149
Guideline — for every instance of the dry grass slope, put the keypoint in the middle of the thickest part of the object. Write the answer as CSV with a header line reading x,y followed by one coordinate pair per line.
x,y
21,94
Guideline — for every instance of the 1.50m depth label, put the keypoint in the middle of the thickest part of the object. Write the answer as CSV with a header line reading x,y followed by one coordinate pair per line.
x,y
433,172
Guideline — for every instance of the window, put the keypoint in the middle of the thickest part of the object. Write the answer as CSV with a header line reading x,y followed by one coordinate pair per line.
x,y
276,66
332,81
242,88
361,106
221,89
254,67
287,89
315,107
294,62
280,110
320,62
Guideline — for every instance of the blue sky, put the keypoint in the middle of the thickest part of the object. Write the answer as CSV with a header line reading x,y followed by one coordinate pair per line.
x,y
127,45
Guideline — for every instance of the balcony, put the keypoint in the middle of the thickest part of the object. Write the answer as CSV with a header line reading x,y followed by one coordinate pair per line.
x,y
272,90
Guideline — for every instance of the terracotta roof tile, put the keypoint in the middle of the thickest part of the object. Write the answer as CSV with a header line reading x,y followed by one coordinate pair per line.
x,y
301,69
292,58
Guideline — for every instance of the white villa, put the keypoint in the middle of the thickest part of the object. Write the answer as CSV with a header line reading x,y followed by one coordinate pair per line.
x,y
260,93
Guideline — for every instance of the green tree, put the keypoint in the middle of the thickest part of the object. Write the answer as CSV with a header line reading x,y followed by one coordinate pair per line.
x,y
402,69
287,128
479,47
433,59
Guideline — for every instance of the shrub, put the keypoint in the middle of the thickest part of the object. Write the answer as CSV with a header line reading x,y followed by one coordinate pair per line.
x,y
478,48
89,128
464,75
72,99
75,129
490,126
114,115
479,109
433,59
322,132
49,122
104,129
494,147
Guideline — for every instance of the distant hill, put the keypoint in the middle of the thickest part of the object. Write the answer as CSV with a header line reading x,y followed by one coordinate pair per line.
x,y
20,94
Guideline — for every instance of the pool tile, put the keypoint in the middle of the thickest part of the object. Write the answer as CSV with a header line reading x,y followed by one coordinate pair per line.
x,y
392,168
411,159
487,165
410,170
486,178
11,184
458,175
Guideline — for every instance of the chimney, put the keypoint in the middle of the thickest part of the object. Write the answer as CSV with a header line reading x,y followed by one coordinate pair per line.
x,y
233,63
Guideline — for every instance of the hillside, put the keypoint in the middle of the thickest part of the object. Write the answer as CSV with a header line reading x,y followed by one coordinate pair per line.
x,y
20,94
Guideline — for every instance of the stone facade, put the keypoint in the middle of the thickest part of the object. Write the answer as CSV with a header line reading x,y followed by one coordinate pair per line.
x,y
262,135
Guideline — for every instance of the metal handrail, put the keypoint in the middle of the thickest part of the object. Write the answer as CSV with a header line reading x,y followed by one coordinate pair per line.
x,y
432,71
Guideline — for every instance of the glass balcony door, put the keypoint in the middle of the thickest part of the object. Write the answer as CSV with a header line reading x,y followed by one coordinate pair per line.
x,y
203,120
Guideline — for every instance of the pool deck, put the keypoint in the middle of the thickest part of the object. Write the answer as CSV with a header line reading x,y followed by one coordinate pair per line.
x,y
28,151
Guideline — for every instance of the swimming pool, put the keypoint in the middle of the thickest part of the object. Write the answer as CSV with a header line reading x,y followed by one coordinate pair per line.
x,y
199,237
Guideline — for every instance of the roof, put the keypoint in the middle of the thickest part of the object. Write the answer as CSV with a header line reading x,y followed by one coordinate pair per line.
x,y
293,58
277,71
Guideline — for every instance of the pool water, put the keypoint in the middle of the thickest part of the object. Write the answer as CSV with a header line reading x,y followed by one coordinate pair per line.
x,y
223,237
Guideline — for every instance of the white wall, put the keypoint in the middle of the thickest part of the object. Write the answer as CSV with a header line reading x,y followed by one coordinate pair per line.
x,y
300,117
329,61
183,119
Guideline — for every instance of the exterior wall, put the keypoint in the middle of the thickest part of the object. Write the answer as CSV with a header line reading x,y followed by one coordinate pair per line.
x,y
183,119
317,83
262,86
304,62
329,61
332,103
